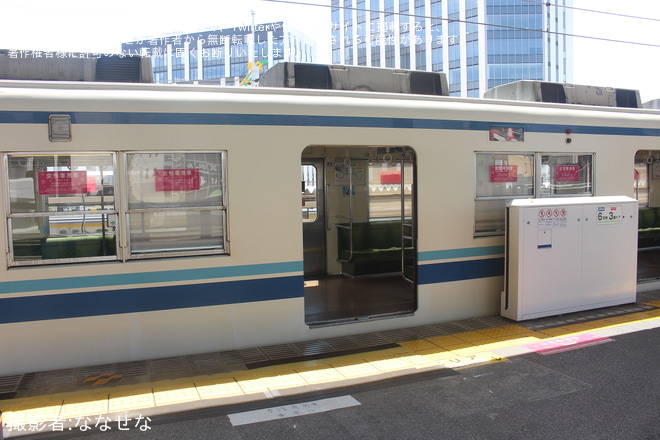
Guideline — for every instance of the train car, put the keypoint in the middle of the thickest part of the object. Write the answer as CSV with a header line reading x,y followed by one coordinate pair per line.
x,y
148,221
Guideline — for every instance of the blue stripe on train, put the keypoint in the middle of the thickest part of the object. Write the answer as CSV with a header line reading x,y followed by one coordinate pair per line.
x,y
39,117
447,254
200,274
148,299
460,270
120,279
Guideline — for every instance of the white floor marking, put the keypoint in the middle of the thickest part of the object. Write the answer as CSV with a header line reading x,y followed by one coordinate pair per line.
x,y
294,410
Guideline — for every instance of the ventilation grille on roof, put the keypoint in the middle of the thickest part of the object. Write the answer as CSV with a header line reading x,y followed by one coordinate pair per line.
x,y
118,69
552,92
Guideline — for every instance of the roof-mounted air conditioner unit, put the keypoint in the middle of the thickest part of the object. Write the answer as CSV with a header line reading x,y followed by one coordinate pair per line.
x,y
340,77
541,91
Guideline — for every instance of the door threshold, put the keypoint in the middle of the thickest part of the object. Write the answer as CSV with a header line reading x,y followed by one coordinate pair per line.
x,y
357,319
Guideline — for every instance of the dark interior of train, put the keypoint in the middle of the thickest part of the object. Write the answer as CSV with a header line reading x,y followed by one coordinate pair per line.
x,y
647,191
359,233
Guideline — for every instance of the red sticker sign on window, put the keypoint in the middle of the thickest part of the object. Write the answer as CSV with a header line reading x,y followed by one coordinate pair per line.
x,y
389,177
567,173
62,182
177,180
504,173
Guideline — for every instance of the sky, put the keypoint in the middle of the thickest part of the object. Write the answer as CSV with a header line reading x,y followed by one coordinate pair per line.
x,y
604,63
101,27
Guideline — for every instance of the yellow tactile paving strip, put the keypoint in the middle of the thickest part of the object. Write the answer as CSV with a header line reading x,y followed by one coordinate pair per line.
x,y
458,350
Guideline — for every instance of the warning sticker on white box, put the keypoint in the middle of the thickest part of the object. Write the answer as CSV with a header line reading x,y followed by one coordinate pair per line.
x,y
550,218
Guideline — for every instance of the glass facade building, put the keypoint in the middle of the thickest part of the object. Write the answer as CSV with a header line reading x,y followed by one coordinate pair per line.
x,y
221,56
479,44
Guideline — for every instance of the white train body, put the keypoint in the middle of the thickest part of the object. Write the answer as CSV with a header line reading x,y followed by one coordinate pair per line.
x,y
249,290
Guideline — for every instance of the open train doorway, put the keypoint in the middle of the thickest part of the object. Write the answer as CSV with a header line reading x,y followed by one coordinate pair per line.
x,y
359,233
647,192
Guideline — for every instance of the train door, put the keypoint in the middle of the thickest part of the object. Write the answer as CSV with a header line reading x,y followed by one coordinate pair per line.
x,y
647,192
313,204
359,213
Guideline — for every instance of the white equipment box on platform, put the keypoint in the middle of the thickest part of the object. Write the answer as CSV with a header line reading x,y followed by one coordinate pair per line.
x,y
569,254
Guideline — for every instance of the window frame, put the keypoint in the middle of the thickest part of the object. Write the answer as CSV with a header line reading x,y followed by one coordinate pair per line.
x,y
536,190
310,197
10,215
389,163
172,252
121,226
539,182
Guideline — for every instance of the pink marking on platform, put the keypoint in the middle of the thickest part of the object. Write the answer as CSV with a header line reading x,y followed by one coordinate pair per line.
x,y
567,343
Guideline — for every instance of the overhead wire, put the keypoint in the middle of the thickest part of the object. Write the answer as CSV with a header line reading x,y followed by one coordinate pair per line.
x,y
595,11
455,20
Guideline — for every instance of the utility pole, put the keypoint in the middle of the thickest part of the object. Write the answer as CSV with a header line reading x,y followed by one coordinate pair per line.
x,y
253,57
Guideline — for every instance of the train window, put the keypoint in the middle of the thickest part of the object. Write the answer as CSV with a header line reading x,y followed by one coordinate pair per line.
x,y
387,177
641,182
61,207
309,183
500,177
566,174
176,203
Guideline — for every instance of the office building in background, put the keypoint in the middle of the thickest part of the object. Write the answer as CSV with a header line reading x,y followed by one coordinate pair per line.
x,y
479,44
222,56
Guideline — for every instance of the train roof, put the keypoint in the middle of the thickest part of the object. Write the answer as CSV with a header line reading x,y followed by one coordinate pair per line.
x,y
89,96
